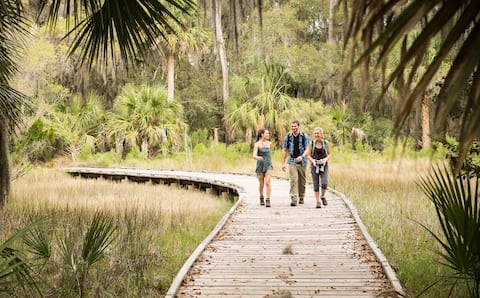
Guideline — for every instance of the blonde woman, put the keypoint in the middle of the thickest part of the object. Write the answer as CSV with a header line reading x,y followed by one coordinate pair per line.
x,y
262,153
319,154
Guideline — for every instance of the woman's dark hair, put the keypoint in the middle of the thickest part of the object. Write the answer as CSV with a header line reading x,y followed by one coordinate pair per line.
x,y
260,133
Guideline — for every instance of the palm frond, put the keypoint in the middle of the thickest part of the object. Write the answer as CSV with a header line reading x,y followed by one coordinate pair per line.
x,y
37,243
98,237
457,204
14,268
134,25
379,27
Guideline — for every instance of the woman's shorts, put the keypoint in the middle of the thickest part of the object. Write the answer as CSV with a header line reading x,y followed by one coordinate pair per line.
x,y
263,174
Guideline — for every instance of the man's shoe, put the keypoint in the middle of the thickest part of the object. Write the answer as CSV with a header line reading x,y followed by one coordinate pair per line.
x,y
293,203
319,204
262,201
267,202
300,201
324,201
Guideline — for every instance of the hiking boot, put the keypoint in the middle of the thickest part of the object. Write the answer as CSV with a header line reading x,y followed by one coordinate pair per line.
x,y
324,201
267,202
294,202
319,204
262,202
300,201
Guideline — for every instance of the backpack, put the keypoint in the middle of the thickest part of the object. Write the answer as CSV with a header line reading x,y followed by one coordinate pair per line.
x,y
324,145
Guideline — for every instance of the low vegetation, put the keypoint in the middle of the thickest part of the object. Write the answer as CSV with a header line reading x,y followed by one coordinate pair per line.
x,y
156,229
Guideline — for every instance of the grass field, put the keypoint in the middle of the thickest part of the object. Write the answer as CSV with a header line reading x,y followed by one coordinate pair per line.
x,y
158,227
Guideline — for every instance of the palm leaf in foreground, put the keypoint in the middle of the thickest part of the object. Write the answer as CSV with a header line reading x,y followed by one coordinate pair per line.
x,y
457,204
134,25
15,271
456,23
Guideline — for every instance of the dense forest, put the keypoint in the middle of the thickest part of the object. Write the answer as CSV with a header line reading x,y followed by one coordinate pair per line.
x,y
230,70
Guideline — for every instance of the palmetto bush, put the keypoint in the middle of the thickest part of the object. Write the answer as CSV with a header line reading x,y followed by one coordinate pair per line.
x,y
457,204
23,266
144,117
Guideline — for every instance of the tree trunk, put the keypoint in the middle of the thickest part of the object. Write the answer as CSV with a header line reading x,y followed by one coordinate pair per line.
x,y
426,140
216,135
248,135
4,164
144,148
170,75
222,53
331,37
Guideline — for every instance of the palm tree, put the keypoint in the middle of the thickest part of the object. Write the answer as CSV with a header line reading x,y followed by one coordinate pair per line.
x,y
193,38
379,26
268,100
77,124
98,25
12,27
146,118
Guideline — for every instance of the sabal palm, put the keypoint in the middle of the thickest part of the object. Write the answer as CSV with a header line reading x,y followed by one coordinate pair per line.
x,y
77,123
12,26
268,102
342,118
98,25
456,23
456,198
145,116
193,38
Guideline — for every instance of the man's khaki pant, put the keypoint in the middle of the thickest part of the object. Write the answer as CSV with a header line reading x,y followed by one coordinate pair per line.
x,y
297,181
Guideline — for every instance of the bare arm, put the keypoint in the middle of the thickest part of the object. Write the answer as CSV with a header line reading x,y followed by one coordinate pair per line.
x,y
255,152
329,151
309,154
284,154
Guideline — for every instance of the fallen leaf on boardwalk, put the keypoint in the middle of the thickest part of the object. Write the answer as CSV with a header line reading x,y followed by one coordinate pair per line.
x,y
211,248
284,277
279,294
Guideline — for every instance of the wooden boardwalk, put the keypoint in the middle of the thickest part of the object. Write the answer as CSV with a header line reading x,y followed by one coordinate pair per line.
x,y
280,251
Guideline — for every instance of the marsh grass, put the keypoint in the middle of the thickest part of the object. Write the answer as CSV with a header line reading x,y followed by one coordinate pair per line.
x,y
158,228
392,206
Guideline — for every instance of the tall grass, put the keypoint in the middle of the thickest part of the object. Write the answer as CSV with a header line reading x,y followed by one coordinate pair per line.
x,y
392,206
158,227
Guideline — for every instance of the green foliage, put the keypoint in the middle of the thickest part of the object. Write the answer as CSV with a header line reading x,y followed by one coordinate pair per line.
x,y
15,269
470,163
455,24
199,136
135,153
456,198
77,122
376,131
200,148
199,100
98,237
265,98
37,143
143,117
342,117
104,159
239,149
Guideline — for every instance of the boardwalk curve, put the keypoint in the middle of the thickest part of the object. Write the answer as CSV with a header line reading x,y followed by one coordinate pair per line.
x,y
280,251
